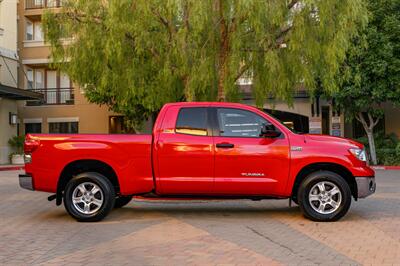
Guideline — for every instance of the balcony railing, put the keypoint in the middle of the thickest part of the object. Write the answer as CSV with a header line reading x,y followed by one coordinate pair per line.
x,y
37,4
54,96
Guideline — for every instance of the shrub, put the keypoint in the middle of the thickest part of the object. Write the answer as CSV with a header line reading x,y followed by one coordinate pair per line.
x,y
17,143
387,148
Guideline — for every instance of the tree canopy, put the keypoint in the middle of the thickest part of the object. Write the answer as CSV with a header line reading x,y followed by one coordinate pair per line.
x,y
370,75
135,55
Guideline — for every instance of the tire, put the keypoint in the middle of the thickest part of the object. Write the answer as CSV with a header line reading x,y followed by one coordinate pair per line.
x,y
94,194
324,196
121,201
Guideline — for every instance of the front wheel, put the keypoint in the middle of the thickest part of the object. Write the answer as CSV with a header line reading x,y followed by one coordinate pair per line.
x,y
89,197
324,196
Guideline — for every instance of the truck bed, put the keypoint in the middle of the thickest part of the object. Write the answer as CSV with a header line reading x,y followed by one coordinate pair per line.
x,y
128,155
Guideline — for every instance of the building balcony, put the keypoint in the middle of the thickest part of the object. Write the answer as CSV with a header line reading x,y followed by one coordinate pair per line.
x,y
40,4
54,96
34,8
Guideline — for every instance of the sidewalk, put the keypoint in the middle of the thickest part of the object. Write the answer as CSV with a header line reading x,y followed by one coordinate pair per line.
x,y
10,167
386,167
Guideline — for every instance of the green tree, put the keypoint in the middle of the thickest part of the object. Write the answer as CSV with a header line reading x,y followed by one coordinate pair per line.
x,y
371,73
135,55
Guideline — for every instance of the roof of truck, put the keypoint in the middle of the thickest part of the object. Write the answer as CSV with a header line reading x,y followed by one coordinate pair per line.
x,y
225,104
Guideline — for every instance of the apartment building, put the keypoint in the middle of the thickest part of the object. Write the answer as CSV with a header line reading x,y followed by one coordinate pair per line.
x,y
64,108
10,94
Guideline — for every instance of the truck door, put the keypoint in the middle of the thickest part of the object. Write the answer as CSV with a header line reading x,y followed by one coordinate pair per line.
x,y
185,152
245,163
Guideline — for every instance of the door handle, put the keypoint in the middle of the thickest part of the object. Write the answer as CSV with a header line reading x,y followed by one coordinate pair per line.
x,y
225,145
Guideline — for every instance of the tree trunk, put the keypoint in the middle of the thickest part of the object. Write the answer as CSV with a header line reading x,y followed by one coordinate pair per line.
x,y
369,129
223,51
372,150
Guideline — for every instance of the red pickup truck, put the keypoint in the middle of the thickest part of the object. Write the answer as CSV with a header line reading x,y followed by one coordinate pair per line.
x,y
200,150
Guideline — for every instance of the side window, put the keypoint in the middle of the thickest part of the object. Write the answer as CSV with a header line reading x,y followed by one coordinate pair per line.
x,y
239,123
192,121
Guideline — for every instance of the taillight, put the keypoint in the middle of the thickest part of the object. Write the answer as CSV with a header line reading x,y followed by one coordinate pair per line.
x,y
31,145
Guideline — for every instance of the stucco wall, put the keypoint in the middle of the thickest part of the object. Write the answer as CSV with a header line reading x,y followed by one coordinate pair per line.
x,y
6,130
8,22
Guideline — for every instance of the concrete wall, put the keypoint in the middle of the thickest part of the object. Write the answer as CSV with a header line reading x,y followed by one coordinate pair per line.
x,y
6,130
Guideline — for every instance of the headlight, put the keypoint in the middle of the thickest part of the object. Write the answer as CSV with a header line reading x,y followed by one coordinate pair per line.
x,y
359,153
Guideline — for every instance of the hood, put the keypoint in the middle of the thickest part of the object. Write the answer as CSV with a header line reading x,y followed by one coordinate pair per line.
x,y
327,138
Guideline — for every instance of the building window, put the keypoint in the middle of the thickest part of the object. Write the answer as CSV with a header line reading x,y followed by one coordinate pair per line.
x,y
39,78
33,128
35,78
52,3
29,31
34,31
38,31
39,3
63,127
29,77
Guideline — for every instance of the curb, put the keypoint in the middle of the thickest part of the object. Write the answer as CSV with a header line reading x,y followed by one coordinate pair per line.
x,y
383,167
12,168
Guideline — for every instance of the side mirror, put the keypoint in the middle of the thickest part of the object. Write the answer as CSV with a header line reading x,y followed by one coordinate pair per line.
x,y
269,131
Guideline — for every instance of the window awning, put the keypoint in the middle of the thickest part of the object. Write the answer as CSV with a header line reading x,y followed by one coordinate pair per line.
x,y
18,94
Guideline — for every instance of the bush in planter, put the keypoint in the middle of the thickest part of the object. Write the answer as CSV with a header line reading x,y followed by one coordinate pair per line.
x,y
17,143
398,149
387,157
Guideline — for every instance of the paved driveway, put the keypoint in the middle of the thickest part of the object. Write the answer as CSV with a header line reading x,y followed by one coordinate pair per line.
x,y
35,231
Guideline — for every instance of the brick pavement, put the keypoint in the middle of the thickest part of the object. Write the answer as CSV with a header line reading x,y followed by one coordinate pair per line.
x,y
34,231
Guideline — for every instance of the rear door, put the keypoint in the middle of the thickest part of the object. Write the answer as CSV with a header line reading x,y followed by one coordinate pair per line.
x,y
245,163
185,152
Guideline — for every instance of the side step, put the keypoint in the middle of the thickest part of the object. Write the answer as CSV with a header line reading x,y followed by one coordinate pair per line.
x,y
153,196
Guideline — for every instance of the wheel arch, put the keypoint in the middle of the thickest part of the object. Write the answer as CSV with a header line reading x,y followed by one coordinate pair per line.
x,y
333,167
87,165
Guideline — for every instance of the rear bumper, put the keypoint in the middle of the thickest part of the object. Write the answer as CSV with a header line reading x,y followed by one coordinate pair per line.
x,y
365,186
26,181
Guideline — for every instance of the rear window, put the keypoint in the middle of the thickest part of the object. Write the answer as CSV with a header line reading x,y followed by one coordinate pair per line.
x,y
192,121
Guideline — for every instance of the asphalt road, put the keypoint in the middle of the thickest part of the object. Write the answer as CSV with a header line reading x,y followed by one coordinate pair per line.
x,y
238,232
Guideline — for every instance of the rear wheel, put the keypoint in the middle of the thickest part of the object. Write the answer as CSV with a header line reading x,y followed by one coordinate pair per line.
x,y
324,196
121,201
89,197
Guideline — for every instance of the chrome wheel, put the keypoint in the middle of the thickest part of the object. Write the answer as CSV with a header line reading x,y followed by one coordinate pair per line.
x,y
87,198
325,197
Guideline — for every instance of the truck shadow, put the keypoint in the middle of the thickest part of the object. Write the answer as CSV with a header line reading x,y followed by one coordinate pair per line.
x,y
202,210
239,210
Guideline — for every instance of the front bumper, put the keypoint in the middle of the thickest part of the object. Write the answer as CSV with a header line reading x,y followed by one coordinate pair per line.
x,y
26,181
365,186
